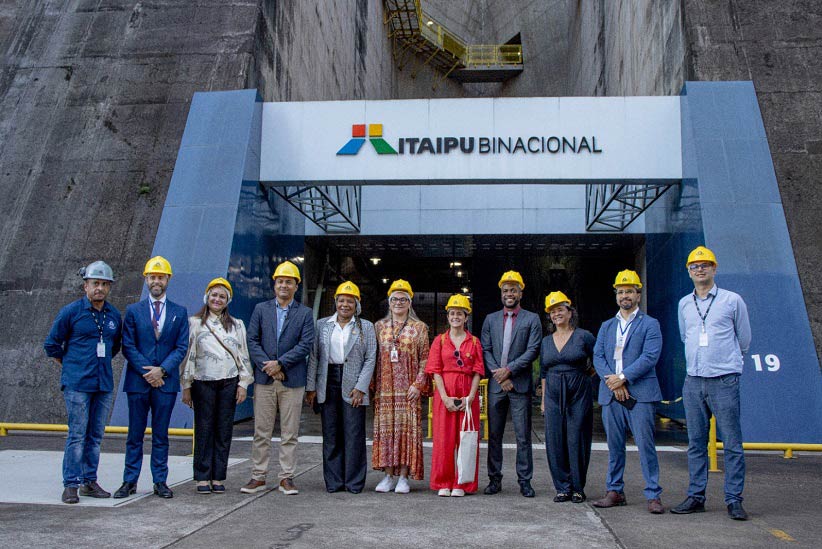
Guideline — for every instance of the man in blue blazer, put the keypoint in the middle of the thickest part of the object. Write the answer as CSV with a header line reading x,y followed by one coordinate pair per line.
x,y
625,356
510,343
155,342
280,338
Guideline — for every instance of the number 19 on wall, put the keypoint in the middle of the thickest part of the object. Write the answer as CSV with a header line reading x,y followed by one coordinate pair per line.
x,y
771,363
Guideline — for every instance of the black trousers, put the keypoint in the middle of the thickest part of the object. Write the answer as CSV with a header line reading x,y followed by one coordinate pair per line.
x,y
520,405
569,420
344,454
214,405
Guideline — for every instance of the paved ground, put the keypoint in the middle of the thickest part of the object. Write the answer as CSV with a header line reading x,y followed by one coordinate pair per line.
x,y
780,496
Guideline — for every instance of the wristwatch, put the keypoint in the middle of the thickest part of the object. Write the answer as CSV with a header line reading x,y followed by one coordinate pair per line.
x,y
621,376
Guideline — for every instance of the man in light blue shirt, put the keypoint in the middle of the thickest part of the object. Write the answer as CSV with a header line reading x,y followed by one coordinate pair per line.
x,y
714,327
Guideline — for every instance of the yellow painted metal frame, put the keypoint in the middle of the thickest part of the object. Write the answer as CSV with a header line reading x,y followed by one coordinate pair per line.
x,y
787,448
483,395
112,429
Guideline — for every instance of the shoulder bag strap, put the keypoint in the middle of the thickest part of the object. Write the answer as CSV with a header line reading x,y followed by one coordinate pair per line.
x,y
237,361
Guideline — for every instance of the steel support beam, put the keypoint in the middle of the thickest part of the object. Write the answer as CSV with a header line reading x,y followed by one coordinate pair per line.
x,y
334,209
611,207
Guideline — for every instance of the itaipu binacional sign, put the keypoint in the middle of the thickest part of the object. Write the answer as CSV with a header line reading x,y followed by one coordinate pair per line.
x,y
522,140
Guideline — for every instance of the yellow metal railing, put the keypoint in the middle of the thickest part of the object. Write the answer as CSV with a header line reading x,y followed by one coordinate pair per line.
x,y
787,448
483,396
505,54
112,429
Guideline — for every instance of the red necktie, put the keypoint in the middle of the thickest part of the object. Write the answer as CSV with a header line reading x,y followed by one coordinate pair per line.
x,y
155,318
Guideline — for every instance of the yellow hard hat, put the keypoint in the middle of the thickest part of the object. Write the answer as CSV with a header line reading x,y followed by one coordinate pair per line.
x,y
287,269
219,282
511,276
459,301
556,298
700,253
347,288
627,278
157,265
401,286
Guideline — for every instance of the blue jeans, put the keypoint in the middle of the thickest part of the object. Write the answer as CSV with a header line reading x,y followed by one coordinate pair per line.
x,y
703,396
87,415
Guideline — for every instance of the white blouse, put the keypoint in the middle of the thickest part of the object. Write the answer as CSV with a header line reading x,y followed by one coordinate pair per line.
x,y
208,360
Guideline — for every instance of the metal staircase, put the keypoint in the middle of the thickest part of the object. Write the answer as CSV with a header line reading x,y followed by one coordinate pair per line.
x,y
416,33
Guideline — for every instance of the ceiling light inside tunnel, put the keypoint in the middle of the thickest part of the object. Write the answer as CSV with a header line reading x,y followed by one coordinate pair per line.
x,y
385,281
465,290
455,264
429,23
375,260
459,274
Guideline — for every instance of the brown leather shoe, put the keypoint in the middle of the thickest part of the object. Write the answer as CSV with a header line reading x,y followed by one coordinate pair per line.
x,y
287,487
611,499
253,487
655,507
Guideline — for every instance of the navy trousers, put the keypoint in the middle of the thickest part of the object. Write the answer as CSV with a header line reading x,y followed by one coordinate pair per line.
x,y
569,423
344,454
160,405
520,406
618,420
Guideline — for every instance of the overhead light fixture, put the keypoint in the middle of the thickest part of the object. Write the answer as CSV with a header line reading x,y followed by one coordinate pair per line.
x,y
375,260
459,274
298,259
385,281
429,23
464,290
455,264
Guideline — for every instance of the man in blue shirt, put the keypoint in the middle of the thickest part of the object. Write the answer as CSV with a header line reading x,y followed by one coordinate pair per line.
x,y
84,338
280,337
714,326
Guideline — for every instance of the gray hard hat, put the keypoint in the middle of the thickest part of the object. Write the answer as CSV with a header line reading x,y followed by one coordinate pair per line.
x,y
98,270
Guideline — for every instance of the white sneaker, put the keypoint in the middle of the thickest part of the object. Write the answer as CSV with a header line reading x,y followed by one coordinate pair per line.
x,y
444,492
402,486
386,484
457,493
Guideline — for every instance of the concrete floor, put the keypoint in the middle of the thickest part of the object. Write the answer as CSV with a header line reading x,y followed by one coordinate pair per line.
x,y
780,497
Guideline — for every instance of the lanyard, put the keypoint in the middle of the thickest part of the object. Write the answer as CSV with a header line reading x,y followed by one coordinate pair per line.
x,y
699,311
154,313
627,326
98,324
395,336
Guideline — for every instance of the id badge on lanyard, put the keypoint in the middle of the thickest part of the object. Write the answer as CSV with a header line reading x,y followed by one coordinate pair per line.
x,y
703,337
395,355
101,349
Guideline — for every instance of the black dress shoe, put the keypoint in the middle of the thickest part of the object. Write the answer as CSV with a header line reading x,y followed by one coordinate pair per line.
x,y
736,512
578,497
690,505
70,495
562,497
161,489
493,487
526,490
93,490
125,490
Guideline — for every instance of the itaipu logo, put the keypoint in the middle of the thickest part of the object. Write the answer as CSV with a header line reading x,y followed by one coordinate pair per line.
x,y
534,144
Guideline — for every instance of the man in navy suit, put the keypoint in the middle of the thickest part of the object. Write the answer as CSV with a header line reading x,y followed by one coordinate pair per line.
x,y
155,342
510,343
280,337
625,357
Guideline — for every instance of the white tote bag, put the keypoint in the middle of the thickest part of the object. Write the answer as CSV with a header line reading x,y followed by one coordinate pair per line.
x,y
467,453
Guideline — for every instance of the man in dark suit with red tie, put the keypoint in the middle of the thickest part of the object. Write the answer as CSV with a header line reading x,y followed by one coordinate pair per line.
x,y
155,342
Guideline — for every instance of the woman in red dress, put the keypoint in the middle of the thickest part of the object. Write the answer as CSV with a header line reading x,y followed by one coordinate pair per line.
x,y
456,363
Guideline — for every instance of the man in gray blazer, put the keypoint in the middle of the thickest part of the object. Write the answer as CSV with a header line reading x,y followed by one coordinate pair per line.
x,y
280,336
339,373
510,343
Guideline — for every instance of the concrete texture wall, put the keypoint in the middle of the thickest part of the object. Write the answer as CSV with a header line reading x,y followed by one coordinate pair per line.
x,y
777,45
626,47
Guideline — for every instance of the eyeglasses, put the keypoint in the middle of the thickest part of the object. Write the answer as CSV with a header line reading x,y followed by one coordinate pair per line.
x,y
400,300
460,363
699,266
